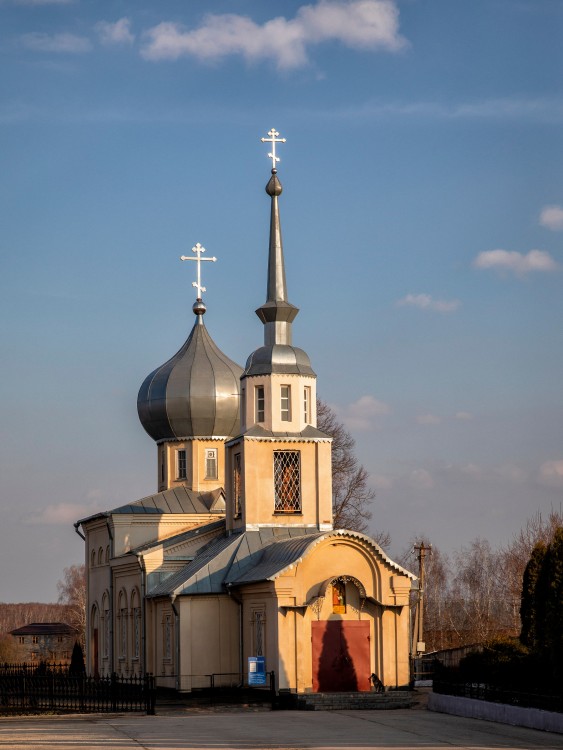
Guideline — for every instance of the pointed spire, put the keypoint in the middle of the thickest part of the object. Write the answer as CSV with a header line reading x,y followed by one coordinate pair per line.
x,y
276,313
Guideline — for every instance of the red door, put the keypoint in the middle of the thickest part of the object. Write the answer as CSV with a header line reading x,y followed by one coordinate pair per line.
x,y
341,655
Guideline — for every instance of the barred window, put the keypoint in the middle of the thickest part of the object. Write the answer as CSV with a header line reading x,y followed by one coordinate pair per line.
x,y
123,632
237,484
211,463
136,632
286,403
106,633
167,636
258,623
259,403
181,464
287,481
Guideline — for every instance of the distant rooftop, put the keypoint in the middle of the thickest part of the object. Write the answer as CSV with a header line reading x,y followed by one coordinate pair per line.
x,y
45,628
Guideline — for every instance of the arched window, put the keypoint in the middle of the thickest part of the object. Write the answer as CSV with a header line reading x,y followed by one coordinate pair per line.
x,y
106,614
94,645
93,559
122,625
136,623
100,556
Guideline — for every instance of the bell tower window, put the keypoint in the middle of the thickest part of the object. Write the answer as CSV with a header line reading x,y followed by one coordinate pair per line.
x,y
307,404
237,484
211,463
181,464
259,403
286,403
287,481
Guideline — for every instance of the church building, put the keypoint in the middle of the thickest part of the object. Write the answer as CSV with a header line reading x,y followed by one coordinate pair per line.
x,y
233,567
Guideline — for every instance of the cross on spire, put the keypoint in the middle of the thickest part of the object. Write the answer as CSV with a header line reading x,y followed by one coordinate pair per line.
x,y
273,139
198,250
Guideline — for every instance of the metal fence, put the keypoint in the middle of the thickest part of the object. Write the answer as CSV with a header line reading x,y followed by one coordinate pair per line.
x,y
484,692
27,692
225,687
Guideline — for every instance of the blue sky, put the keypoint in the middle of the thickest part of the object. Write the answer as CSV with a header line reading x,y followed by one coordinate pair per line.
x,y
422,217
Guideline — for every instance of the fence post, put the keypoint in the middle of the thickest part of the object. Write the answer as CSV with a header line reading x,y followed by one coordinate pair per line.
x,y
113,691
151,694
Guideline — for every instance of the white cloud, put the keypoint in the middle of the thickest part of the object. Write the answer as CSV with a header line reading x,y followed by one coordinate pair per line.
x,y
381,481
505,260
464,416
551,473
428,419
363,414
426,302
118,32
63,513
552,218
421,479
360,24
511,473
70,43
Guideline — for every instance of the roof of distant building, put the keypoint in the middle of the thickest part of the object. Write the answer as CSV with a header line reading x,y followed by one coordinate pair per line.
x,y
45,628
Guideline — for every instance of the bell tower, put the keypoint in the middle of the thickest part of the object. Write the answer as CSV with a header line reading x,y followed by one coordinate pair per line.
x,y
279,467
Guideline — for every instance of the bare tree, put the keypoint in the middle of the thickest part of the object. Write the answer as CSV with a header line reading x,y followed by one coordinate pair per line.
x,y
72,593
351,495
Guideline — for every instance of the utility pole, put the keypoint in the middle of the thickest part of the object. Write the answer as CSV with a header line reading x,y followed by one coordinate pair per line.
x,y
418,645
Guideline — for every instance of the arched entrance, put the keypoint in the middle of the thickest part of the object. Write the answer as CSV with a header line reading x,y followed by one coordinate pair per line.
x,y
341,647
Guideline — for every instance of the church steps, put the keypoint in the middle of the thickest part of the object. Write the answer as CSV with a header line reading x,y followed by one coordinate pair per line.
x,y
347,701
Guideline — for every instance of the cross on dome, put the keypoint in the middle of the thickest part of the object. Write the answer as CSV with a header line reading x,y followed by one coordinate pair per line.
x,y
273,139
198,250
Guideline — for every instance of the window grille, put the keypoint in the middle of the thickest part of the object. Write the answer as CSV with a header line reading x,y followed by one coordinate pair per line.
x,y
286,403
167,637
259,403
123,632
136,632
237,484
211,463
106,633
287,481
259,633
181,464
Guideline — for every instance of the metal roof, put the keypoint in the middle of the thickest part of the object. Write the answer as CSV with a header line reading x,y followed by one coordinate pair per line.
x,y
177,500
185,536
253,556
194,394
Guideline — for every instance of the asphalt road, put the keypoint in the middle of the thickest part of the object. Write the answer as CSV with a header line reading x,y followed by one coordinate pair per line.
x,y
402,729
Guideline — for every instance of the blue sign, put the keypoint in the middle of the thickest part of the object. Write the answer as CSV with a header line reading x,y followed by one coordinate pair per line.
x,y
256,670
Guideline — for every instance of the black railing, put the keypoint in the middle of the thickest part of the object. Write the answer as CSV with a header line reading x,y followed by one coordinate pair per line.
x,y
27,692
484,692
226,687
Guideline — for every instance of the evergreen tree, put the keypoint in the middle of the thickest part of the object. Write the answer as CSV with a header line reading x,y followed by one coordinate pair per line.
x,y
528,610
77,661
554,603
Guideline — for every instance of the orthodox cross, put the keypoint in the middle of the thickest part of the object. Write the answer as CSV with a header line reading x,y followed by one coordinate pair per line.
x,y
198,250
273,139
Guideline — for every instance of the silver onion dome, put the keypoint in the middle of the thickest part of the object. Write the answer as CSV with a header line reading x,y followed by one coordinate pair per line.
x,y
196,394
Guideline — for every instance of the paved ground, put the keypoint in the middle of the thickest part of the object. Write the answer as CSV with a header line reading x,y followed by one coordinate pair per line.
x,y
253,730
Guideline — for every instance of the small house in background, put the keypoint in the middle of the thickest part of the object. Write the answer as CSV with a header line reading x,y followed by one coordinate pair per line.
x,y
50,642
